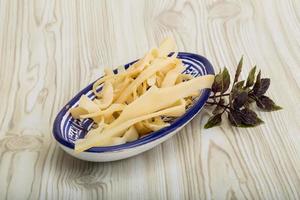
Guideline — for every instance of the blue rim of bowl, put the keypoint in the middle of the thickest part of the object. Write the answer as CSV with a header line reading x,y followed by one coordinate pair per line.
x,y
179,122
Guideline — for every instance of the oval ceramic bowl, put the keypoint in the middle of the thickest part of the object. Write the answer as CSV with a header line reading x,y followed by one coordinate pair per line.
x,y
67,130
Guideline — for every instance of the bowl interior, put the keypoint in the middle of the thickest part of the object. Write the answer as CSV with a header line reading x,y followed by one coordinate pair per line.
x,y
67,130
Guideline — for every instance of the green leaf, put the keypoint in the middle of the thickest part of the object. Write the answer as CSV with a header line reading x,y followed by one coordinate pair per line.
x,y
218,83
236,90
262,88
240,100
214,120
251,76
226,80
267,104
239,85
221,82
238,70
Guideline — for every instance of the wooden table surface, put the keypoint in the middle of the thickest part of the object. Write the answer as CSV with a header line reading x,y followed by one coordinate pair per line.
x,y
49,50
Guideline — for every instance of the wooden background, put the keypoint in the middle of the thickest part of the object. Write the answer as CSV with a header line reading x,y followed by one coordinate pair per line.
x,y
49,50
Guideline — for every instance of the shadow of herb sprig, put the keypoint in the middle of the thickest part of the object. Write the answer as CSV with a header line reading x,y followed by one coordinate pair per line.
x,y
236,103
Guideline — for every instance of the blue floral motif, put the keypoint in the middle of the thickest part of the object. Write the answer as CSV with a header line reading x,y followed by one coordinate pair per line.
x,y
190,69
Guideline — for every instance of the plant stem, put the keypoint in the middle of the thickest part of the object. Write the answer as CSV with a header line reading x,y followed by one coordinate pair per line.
x,y
211,103
221,95
224,106
213,97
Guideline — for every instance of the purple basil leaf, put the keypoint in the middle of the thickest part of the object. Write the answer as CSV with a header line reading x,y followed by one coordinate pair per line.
x,y
244,118
263,87
240,100
257,82
267,104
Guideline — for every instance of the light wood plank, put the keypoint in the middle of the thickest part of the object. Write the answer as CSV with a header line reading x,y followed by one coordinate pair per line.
x,y
49,50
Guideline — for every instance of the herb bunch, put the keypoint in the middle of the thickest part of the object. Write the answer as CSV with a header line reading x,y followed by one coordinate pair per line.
x,y
237,102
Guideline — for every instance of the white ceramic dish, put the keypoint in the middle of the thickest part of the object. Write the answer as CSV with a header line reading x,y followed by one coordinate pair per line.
x,y
67,130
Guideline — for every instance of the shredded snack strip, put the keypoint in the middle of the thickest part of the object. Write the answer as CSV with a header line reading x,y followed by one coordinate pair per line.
x,y
87,104
137,101
154,67
117,131
171,76
151,101
109,111
107,95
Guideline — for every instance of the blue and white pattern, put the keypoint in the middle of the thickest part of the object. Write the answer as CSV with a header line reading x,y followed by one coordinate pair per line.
x,y
67,130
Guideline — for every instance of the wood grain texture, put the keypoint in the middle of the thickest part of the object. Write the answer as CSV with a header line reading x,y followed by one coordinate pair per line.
x,y
49,50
